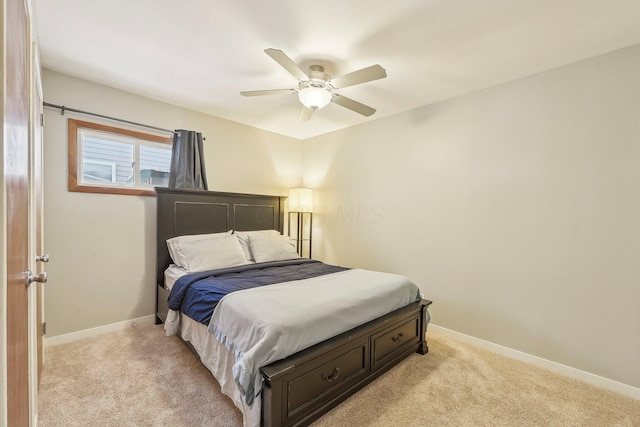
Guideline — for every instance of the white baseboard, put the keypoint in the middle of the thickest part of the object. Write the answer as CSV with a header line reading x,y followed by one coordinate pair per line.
x,y
559,368
86,333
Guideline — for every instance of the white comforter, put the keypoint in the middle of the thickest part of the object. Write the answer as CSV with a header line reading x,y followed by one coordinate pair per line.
x,y
265,324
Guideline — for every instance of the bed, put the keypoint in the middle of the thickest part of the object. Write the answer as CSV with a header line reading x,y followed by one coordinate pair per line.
x,y
299,388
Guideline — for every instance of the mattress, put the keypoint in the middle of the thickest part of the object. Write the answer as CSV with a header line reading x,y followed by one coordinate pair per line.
x,y
172,274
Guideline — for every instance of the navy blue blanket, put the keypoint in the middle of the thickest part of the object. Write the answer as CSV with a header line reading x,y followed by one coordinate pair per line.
x,y
197,294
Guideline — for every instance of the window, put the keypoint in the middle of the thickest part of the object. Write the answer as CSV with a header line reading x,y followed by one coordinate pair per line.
x,y
105,159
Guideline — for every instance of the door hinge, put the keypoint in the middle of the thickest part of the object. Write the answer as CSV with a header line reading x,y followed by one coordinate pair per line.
x,y
44,328
42,119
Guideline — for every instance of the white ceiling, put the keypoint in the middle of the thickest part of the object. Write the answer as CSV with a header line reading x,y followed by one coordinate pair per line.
x,y
200,54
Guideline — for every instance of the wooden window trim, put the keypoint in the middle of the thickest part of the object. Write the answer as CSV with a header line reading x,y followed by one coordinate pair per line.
x,y
73,126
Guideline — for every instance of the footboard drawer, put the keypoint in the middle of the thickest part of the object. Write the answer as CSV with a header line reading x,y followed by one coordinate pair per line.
x,y
315,382
395,341
327,374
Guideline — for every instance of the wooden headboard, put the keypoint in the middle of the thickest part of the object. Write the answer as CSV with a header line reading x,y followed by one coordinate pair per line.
x,y
181,212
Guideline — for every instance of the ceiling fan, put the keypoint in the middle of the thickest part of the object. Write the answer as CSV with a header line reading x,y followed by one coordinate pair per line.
x,y
316,89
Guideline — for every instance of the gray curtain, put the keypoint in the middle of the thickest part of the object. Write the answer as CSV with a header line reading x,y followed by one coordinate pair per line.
x,y
187,161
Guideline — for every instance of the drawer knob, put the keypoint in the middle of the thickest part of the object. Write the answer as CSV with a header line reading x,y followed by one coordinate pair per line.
x,y
398,338
331,377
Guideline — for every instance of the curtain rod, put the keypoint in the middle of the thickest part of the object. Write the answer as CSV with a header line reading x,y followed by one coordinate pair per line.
x,y
62,109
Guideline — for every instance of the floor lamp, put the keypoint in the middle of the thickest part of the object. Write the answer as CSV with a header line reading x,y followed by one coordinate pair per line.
x,y
300,222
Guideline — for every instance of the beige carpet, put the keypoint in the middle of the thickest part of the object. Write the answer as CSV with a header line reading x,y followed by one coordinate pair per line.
x,y
139,377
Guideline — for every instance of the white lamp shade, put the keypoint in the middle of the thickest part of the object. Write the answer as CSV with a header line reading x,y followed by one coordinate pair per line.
x,y
300,200
314,97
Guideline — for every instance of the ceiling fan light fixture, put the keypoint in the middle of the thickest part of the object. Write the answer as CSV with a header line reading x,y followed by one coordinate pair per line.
x,y
314,97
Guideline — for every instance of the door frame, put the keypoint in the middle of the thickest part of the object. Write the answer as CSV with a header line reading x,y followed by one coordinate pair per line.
x,y
36,231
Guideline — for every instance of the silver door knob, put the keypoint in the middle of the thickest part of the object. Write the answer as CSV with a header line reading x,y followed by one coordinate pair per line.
x,y
40,278
43,258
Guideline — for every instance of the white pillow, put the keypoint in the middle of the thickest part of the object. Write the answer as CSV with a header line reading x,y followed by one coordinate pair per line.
x,y
174,241
210,254
244,236
272,248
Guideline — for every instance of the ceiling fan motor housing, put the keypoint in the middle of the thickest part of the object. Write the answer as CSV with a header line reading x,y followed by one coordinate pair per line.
x,y
316,72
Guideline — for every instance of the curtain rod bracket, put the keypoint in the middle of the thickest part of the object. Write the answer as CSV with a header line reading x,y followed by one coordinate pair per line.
x,y
62,111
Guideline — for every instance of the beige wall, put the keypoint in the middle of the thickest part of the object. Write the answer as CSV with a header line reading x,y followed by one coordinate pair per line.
x,y
516,209
102,247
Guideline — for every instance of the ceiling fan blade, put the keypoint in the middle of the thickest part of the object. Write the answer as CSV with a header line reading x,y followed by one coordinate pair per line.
x,y
267,92
349,103
368,74
281,58
305,114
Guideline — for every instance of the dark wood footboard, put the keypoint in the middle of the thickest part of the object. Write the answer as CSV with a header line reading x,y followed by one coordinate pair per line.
x,y
302,387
